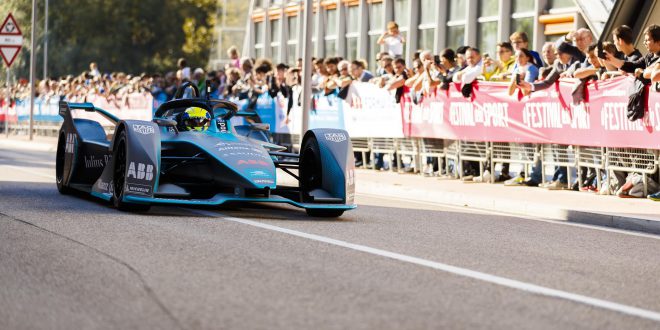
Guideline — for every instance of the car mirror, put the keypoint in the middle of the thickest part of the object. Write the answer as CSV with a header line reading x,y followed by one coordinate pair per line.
x,y
166,123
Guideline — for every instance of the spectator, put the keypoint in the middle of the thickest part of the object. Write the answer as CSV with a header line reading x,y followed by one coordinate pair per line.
x,y
520,40
423,83
233,78
198,80
418,70
94,70
525,69
299,64
397,82
183,67
473,68
623,40
564,52
447,68
234,57
342,78
652,44
358,71
549,57
388,69
393,40
595,70
460,57
380,70
332,73
503,66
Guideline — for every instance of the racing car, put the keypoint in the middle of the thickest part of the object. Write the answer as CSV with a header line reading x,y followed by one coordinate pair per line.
x,y
192,154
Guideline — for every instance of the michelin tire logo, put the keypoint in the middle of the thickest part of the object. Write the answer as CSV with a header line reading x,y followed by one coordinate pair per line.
x,y
335,137
143,129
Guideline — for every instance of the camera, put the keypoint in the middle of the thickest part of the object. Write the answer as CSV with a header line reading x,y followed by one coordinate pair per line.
x,y
517,78
601,51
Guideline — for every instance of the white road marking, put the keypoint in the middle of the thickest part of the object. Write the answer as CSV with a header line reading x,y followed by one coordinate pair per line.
x,y
480,276
33,172
514,215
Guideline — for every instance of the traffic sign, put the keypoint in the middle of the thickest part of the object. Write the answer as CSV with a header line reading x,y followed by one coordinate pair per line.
x,y
11,40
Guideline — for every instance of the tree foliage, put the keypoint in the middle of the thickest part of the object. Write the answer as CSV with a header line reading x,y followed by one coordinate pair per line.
x,y
120,35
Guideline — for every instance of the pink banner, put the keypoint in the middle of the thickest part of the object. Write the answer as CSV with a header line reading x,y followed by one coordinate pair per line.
x,y
547,116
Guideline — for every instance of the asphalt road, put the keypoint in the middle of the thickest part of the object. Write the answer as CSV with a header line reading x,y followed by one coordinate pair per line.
x,y
71,262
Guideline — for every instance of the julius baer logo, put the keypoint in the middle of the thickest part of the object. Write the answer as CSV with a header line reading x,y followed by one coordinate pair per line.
x,y
142,172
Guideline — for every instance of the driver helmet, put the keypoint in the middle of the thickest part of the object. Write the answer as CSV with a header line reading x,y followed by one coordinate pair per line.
x,y
196,119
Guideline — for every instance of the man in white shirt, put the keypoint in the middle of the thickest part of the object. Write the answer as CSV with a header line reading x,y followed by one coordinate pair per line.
x,y
473,69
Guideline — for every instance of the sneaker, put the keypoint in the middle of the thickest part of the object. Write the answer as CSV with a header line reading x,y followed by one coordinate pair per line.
x,y
517,181
467,178
556,185
483,178
544,184
654,197
428,170
531,183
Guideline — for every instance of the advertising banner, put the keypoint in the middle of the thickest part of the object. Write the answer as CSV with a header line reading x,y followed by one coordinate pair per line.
x,y
547,116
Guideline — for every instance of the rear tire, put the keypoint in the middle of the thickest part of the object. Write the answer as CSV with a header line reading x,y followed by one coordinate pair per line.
x,y
60,160
119,179
324,213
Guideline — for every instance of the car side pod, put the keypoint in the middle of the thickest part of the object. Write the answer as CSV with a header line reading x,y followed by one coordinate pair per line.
x,y
134,169
326,172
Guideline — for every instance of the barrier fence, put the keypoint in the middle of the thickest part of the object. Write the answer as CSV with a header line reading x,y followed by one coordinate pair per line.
x,y
447,129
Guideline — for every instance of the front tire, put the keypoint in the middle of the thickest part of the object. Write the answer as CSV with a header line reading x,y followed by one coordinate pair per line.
x,y
119,178
60,160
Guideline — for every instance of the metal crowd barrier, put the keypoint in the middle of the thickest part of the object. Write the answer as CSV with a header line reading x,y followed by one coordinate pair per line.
x,y
408,148
635,160
385,146
591,157
432,149
473,151
513,153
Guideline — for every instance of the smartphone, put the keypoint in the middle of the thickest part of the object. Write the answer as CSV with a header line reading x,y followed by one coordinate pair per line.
x,y
436,59
486,55
601,51
517,78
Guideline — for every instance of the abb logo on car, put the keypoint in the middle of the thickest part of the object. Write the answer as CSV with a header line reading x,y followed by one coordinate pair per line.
x,y
144,172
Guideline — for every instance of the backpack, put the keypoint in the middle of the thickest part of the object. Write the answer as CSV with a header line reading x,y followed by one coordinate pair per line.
x,y
637,101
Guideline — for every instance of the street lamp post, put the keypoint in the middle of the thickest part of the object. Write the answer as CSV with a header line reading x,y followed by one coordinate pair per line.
x,y
32,66
46,40
307,66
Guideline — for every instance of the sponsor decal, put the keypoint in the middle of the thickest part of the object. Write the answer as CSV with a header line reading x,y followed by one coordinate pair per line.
x,y
351,177
252,162
335,137
138,189
143,129
264,181
141,171
171,129
105,186
259,173
222,126
62,110
70,143
93,162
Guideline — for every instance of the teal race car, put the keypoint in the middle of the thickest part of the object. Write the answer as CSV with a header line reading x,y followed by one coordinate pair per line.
x,y
191,154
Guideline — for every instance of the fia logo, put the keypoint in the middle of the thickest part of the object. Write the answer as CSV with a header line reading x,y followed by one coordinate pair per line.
x,y
143,129
144,172
70,143
335,137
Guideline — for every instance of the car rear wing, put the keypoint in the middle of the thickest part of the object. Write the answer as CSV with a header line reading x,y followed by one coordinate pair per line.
x,y
66,107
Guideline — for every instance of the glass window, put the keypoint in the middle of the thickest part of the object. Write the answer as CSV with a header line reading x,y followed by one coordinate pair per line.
x,y
455,36
275,54
401,13
427,12
488,38
259,52
293,27
526,25
425,39
457,10
489,8
291,55
352,19
521,6
351,48
330,48
331,22
275,30
376,16
374,49
259,32
562,3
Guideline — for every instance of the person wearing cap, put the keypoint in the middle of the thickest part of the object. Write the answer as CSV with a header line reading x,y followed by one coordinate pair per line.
x,y
564,52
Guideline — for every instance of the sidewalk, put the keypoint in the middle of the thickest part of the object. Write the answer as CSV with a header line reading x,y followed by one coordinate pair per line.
x,y
580,207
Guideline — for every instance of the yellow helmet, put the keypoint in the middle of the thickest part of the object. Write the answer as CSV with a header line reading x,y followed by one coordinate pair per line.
x,y
196,119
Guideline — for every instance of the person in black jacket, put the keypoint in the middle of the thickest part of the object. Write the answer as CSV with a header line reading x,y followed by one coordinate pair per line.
x,y
652,44
623,40
564,52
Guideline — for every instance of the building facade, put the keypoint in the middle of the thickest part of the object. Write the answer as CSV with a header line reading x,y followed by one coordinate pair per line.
x,y
350,28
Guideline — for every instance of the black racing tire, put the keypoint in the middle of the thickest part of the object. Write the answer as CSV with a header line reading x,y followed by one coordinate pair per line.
x,y
310,170
324,213
60,160
119,178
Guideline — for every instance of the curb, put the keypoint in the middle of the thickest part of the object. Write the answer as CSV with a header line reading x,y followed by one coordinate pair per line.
x,y
513,207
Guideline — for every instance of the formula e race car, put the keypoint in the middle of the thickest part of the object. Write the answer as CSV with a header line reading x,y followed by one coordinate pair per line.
x,y
191,154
